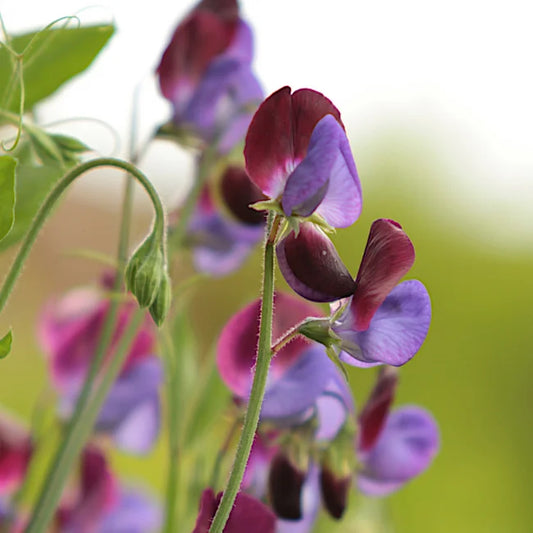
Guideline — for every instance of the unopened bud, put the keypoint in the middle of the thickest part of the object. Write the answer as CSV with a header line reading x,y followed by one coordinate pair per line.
x,y
145,271
161,303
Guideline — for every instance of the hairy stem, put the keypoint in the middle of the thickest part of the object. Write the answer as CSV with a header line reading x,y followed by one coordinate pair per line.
x,y
264,355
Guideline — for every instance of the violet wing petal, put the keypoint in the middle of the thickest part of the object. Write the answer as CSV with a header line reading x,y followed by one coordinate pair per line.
x,y
308,183
132,411
134,513
333,406
397,330
242,45
343,202
220,246
298,388
405,448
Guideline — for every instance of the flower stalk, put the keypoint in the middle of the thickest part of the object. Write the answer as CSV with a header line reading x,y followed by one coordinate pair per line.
x,y
264,356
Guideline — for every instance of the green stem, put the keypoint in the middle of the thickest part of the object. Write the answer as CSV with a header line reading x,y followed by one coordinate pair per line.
x,y
264,355
82,427
56,192
173,412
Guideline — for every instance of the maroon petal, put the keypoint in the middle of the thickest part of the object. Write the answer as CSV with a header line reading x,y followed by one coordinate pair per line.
x,y
388,256
334,492
312,267
268,149
248,514
279,135
238,192
197,40
285,484
308,107
377,407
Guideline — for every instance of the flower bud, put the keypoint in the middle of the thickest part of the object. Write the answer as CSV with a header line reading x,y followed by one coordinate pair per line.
x,y
285,483
161,304
145,271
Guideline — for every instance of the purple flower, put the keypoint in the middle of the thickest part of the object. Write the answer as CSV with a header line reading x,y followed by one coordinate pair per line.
x,y
206,74
405,447
15,453
83,510
223,236
134,512
297,152
69,331
248,514
382,322
392,447
299,372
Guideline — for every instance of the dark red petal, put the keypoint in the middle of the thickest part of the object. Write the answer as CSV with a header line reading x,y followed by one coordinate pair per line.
x,y
268,150
308,107
238,192
334,492
376,410
196,41
312,267
226,9
285,483
388,256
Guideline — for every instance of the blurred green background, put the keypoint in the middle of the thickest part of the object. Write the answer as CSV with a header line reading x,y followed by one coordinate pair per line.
x,y
473,372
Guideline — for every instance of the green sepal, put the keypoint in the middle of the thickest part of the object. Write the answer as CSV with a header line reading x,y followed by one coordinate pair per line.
x,y
5,344
319,330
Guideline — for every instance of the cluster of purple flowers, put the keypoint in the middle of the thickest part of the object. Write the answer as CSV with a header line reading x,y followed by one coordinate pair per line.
x,y
206,74
69,330
310,446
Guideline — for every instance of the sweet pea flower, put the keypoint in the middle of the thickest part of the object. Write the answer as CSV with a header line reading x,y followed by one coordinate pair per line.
x,y
69,331
222,236
297,153
205,72
404,449
101,504
299,373
15,453
382,322
392,447
247,514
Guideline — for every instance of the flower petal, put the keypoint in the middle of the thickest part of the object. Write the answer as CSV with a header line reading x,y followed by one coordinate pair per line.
x,y
405,448
376,409
397,331
133,513
279,135
300,386
388,256
247,514
342,204
312,267
308,183
196,41
237,344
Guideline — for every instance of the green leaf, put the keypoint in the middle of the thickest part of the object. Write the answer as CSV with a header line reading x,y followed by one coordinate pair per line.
x,y
56,55
7,193
32,187
5,344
